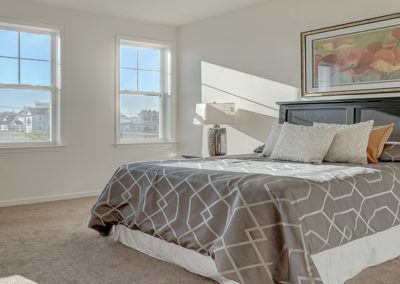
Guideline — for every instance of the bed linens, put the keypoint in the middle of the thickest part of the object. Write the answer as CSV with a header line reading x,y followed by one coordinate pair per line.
x,y
276,221
317,173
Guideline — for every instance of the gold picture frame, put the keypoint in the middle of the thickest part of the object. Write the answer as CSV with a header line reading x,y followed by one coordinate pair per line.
x,y
361,57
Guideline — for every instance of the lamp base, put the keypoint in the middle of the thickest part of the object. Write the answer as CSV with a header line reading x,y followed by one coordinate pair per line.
x,y
217,141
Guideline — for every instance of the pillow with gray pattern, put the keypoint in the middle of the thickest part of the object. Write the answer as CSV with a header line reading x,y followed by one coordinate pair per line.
x,y
391,152
350,143
272,139
300,143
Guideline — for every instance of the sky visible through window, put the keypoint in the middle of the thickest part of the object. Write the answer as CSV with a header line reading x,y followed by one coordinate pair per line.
x,y
131,105
15,100
35,68
140,71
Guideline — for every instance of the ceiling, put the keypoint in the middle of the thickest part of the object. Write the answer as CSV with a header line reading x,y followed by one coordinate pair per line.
x,y
169,12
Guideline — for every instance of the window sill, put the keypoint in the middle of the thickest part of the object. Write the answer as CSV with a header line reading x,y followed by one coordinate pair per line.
x,y
144,144
31,148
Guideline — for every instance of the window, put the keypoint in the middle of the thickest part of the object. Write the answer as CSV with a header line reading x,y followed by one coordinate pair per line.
x,y
144,73
29,85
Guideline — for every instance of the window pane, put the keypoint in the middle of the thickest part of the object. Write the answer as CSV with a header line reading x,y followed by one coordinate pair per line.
x,y
35,46
128,56
139,117
8,71
149,81
149,59
128,80
35,73
24,116
9,43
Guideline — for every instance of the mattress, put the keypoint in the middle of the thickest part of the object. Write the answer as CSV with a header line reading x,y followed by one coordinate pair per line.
x,y
259,221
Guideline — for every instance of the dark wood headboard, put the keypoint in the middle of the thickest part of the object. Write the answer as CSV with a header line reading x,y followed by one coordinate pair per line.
x,y
382,110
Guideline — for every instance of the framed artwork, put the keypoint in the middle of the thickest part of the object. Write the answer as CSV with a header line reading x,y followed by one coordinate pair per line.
x,y
356,58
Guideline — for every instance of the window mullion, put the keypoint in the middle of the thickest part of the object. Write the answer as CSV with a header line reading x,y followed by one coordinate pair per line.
x,y
139,93
19,58
53,94
137,69
32,59
162,90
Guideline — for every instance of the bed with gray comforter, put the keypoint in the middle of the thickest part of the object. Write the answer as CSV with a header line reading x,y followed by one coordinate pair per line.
x,y
259,220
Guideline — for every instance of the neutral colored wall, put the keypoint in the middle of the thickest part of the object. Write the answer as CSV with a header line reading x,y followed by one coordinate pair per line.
x,y
262,43
254,99
88,108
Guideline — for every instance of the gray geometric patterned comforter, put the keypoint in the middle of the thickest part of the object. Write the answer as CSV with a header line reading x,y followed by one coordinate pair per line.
x,y
259,220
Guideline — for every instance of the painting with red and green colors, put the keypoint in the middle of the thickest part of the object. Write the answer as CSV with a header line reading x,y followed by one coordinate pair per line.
x,y
371,56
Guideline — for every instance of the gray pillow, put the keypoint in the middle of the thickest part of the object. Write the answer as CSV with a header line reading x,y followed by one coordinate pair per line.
x,y
272,139
303,143
391,152
350,143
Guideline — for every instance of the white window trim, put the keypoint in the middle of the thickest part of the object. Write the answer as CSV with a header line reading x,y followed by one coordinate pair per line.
x,y
167,127
54,88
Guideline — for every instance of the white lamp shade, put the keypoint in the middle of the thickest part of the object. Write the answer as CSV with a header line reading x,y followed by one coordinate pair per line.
x,y
215,113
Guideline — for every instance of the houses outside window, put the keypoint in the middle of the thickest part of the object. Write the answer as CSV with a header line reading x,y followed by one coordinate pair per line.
x,y
29,85
143,92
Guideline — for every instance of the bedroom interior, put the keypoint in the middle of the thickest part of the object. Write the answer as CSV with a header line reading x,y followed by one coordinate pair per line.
x,y
244,141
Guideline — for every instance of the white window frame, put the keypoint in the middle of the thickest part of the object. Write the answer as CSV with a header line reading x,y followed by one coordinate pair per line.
x,y
55,82
166,74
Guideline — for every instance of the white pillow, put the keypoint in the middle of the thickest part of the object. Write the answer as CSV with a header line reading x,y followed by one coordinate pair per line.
x,y
272,139
303,143
350,143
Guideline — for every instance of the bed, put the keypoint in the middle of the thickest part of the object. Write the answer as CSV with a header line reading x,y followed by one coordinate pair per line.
x,y
244,219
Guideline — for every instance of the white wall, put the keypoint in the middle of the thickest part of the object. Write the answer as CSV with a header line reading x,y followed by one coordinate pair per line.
x,y
254,99
261,41
88,108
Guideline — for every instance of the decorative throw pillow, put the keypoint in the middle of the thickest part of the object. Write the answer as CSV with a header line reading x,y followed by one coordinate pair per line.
x,y
377,139
303,143
272,139
391,152
350,143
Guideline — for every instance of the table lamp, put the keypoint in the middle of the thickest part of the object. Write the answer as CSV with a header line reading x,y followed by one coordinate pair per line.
x,y
216,113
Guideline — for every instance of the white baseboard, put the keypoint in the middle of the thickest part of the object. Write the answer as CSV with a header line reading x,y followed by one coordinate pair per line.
x,y
46,198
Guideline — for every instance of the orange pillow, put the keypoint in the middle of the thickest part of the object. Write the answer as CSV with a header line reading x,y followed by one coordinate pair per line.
x,y
377,139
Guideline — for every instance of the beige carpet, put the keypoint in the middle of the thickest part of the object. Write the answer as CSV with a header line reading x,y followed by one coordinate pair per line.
x,y
50,243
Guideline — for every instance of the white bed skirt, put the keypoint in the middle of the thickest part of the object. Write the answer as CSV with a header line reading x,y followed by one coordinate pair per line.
x,y
157,248
334,265
342,263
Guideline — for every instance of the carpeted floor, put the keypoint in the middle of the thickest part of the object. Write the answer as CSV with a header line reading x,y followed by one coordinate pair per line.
x,y
50,243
